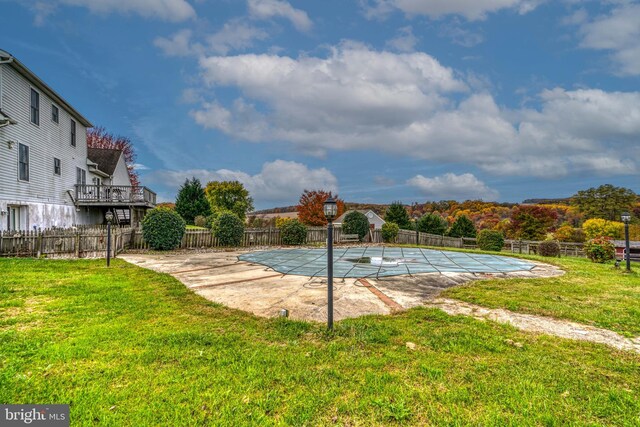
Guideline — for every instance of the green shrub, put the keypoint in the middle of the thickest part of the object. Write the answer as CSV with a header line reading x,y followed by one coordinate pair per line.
x,y
462,227
163,228
390,232
433,224
200,221
489,240
549,248
600,249
293,232
228,229
356,223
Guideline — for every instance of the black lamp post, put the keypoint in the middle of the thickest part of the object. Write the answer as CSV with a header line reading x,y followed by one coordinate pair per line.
x,y
626,218
109,217
330,212
416,217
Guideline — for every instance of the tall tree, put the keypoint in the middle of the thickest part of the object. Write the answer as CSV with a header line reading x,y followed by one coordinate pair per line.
x,y
433,224
311,207
398,214
98,137
192,201
229,196
462,227
531,222
606,201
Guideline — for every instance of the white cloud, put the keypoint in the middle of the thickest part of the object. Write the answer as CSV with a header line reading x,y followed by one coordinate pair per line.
x,y
471,9
405,41
279,180
409,104
451,186
233,36
618,32
167,10
179,44
266,9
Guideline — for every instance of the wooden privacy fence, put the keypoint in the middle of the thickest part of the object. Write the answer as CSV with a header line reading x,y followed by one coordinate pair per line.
x,y
81,242
78,242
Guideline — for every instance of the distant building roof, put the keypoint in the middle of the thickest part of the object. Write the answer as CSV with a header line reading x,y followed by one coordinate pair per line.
x,y
106,158
340,219
621,244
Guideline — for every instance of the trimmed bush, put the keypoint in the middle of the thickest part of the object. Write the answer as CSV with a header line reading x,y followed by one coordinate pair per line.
x,y
356,223
433,224
228,229
163,228
390,232
293,232
489,240
600,249
549,248
200,221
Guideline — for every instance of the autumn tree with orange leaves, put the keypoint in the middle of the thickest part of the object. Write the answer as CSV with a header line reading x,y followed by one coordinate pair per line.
x,y
311,207
98,137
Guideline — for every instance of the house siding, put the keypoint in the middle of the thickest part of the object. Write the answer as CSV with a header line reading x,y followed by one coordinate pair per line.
x,y
120,174
45,193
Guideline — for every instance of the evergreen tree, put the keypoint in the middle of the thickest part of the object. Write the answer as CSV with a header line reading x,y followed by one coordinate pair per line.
x,y
191,201
462,227
433,224
397,214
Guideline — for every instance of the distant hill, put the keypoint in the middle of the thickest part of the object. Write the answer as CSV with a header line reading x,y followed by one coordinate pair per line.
x,y
564,201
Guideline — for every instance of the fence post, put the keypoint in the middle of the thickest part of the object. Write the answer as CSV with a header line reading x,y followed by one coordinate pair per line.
x,y
77,243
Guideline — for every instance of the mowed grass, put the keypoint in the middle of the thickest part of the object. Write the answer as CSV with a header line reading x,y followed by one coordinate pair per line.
x,y
129,347
589,293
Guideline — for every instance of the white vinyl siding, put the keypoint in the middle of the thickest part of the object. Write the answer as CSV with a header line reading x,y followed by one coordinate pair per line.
x,y
46,141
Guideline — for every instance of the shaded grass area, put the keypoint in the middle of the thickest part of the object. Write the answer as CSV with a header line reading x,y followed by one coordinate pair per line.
x,y
589,293
128,346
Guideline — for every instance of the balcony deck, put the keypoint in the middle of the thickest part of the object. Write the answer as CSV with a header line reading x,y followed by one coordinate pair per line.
x,y
114,195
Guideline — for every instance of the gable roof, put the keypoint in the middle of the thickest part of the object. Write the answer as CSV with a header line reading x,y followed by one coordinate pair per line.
x,y
106,158
7,58
340,219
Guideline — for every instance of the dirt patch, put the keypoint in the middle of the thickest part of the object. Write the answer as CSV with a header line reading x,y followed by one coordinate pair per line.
x,y
538,324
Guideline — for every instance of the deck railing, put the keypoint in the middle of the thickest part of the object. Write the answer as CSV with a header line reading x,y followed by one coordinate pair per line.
x,y
114,195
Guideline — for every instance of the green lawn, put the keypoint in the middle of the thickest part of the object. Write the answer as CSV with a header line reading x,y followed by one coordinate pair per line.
x,y
594,294
127,346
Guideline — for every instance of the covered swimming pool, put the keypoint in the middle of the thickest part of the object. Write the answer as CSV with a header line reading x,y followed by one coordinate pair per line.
x,y
362,262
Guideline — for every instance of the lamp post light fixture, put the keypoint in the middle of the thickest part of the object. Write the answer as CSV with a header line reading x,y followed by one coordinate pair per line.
x,y
626,218
109,217
416,217
330,213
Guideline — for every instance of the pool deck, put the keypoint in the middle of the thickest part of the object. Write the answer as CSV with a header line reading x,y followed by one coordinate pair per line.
x,y
223,278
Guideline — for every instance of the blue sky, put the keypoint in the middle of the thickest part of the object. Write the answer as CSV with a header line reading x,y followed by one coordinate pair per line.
x,y
379,100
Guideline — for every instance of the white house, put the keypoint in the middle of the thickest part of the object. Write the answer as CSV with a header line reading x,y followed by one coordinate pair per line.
x,y
375,222
48,176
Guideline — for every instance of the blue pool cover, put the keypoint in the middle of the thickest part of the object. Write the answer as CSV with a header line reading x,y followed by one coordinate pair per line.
x,y
363,262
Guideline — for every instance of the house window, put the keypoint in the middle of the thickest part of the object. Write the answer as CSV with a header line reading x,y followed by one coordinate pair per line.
x,y
56,166
35,107
23,162
73,133
16,220
81,176
55,114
